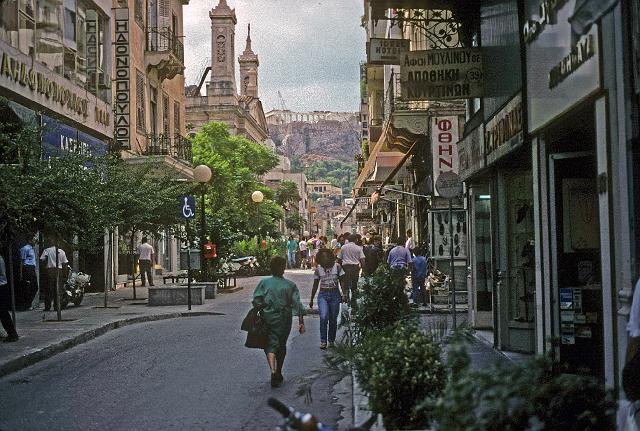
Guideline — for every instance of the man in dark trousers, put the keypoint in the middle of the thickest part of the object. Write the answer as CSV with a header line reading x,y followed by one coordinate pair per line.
x,y
28,279
145,259
52,256
351,258
5,305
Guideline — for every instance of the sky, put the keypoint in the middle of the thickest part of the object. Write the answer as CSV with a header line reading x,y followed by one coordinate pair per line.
x,y
309,50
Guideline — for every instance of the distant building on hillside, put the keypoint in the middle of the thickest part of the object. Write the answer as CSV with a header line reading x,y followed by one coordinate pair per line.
x,y
283,116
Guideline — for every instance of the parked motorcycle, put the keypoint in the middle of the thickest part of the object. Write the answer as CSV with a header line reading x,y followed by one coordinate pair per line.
x,y
245,266
74,288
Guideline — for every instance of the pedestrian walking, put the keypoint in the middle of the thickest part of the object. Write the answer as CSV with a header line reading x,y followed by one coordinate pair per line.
x,y
334,241
292,246
338,244
372,256
351,257
279,300
311,246
399,256
304,252
418,278
55,264
28,279
5,305
329,277
145,254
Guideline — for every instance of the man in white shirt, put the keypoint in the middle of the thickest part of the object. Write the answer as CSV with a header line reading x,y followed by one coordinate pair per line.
x,y
145,260
304,253
50,258
351,257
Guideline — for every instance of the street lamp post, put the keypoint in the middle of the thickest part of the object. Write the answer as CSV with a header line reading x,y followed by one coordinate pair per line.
x,y
202,175
257,197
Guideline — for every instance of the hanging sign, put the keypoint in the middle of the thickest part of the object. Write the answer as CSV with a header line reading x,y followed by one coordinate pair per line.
x,y
386,51
562,65
438,74
503,133
471,153
444,139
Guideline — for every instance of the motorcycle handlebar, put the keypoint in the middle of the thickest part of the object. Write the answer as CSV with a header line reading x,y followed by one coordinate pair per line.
x,y
279,407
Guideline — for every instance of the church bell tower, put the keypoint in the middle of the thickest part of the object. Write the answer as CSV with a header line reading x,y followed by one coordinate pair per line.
x,y
223,31
249,70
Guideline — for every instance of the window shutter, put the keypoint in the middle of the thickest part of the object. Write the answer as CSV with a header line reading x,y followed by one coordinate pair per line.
x,y
164,21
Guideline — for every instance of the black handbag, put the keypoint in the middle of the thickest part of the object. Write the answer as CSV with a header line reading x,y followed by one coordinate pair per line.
x,y
257,329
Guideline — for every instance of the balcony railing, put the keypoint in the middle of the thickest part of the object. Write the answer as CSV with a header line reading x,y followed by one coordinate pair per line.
x,y
393,100
162,39
165,145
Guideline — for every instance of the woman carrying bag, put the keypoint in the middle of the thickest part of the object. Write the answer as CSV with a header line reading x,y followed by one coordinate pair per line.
x,y
278,299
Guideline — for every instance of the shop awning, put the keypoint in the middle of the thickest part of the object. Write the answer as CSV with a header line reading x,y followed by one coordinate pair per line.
x,y
385,163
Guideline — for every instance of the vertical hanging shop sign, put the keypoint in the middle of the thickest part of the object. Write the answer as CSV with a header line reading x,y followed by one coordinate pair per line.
x,y
444,139
122,79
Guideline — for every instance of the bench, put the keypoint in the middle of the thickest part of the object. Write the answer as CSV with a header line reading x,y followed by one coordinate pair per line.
x,y
226,278
175,278
175,295
209,288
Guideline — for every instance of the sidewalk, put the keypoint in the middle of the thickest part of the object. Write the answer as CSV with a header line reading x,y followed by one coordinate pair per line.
x,y
42,336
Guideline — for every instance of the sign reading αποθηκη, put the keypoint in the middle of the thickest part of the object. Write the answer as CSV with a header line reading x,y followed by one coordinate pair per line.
x,y
438,74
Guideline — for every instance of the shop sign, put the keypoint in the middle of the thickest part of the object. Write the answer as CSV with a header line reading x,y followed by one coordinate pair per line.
x,y
471,153
21,75
122,79
444,137
386,51
503,133
59,138
562,66
438,74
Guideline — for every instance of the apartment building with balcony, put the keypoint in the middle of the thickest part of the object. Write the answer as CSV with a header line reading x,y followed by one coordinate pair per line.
x,y
148,86
149,102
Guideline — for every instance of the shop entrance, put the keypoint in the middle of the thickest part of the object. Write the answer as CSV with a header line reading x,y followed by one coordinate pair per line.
x,y
480,257
575,262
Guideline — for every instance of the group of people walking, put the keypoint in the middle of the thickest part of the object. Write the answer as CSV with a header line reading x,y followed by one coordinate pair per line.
x,y
337,265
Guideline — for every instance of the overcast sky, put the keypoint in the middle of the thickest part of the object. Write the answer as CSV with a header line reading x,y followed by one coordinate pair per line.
x,y
309,50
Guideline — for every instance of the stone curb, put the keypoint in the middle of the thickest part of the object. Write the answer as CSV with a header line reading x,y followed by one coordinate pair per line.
x,y
31,358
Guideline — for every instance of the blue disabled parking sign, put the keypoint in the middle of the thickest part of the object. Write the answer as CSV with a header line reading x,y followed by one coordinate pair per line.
x,y
188,207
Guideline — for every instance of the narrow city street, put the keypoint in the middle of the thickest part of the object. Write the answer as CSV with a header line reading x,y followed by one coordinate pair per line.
x,y
187,373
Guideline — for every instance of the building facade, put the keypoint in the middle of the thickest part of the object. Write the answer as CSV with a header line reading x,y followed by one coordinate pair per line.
x,y
149,104
242,113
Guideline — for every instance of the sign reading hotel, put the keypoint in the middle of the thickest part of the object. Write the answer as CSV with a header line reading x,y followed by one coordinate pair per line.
x,y
387,51
444,139
503,133
122,79
439,74
563,66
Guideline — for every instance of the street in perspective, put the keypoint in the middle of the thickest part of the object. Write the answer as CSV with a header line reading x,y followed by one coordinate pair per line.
x,y
329,215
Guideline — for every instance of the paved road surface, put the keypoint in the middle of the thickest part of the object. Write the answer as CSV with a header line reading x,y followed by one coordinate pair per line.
x,y
190,373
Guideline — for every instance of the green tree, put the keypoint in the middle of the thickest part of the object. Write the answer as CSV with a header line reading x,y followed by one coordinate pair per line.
x,y
236,164
287,192
295,222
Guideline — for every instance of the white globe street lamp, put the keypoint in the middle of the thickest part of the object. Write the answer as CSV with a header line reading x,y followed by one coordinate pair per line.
x,y
202,174
257,196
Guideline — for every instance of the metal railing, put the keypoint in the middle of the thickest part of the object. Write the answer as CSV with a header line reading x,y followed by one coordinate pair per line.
x,y
165,145
162,39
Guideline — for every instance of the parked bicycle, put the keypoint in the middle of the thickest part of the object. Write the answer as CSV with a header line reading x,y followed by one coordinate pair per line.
x,y
298,421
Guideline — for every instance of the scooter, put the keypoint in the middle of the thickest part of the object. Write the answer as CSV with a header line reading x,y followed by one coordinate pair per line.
x,y
74,288
247,265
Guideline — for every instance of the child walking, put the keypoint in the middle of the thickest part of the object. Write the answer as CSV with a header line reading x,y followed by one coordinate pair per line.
x,y
328,277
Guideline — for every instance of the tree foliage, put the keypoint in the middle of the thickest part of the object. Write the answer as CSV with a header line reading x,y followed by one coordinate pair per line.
x,y
287,192
236,164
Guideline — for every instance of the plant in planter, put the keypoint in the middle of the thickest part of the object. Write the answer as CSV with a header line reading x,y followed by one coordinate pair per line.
x,y
382,301
397,367
532,396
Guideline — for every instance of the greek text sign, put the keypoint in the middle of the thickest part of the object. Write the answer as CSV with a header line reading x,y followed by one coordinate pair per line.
x,y
444,137
122,79
442,74
562,66
503,132
471,153
387,51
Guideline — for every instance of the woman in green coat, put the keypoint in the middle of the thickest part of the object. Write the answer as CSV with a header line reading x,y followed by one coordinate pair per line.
x,y
280,300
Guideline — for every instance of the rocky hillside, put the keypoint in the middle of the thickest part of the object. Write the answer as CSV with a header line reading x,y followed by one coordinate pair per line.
x,y
322,140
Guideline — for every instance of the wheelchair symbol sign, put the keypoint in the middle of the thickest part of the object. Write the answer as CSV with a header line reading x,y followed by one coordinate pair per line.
x,y
188,207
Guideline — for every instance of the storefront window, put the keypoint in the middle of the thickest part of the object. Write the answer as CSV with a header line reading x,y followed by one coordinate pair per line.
x,y
482,238
49,23
521,256
9,23
26,34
